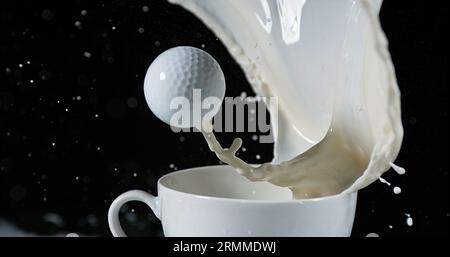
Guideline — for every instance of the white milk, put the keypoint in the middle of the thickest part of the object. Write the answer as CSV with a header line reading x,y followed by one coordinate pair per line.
x,y
328,64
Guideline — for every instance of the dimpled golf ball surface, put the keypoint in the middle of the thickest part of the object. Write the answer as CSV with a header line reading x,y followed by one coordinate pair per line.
x,y
175,73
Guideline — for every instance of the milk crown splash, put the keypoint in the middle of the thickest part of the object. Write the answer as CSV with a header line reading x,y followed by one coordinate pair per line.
x,y
339,123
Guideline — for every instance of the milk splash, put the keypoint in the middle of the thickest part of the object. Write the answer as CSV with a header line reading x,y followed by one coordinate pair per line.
x,y
328,64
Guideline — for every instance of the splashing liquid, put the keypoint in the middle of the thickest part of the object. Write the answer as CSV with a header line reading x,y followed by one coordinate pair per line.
x,y
328,64
307,175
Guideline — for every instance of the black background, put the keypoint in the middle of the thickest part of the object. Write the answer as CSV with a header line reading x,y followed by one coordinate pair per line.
x,y
77,180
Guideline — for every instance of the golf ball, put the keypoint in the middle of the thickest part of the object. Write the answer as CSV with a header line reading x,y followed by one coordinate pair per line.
x,y
176,73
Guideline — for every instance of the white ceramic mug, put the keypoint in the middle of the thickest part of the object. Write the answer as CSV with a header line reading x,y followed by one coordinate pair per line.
x,y
216,201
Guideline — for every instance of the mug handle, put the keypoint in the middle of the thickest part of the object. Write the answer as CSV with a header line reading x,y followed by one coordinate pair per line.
x,y
133,195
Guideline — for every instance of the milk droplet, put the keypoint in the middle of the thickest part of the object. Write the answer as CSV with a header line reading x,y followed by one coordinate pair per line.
x,y
398,169
145,8
83,12
77,24
243,149
135,174
382,180
258,156
397,190
254,137
171,166
87,54
72,235
77,178
372,235
409,220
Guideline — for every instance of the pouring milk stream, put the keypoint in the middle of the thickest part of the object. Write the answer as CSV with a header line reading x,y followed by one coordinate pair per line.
x,y
327,63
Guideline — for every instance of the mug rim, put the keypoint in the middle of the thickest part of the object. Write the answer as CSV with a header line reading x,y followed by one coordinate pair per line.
x,y
247,201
